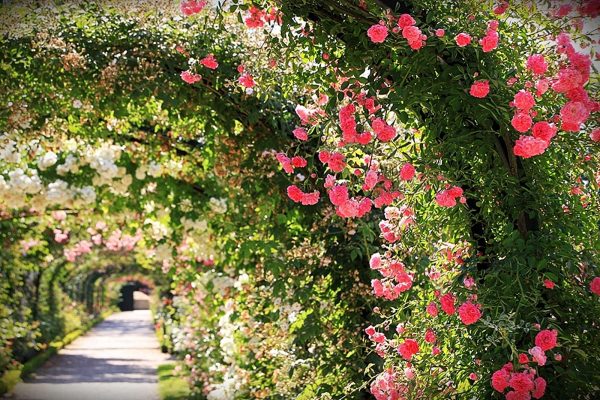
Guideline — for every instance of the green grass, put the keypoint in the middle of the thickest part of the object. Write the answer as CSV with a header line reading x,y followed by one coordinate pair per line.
x,y
170,386
9,380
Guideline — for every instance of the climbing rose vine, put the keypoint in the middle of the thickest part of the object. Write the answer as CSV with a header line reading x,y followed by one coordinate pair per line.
x,y
336,199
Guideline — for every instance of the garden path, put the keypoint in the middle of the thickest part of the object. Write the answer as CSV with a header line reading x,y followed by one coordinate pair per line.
x,y
116,360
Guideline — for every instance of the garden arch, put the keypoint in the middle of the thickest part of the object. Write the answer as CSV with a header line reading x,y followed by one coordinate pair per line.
x,y
410,211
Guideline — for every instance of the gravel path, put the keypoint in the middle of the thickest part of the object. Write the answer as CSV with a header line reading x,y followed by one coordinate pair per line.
x,y
117,360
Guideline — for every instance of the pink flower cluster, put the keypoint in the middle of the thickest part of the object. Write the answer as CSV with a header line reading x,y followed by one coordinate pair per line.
x,y
345,206
447,197
59,215
289,164
84,246
430,336
395,278
256,19
447,302
413,35
334,160
543,132
119,242
396,221
308,116
379,339
347,121
490,41
190,77
386,387
546,339
81,248
298,196
96,236
191,7
468,312
529,146
462,39
501,7
210,62
407,172
569,82
60,236
406,24
247,80
300,134
536,63
525,384
408,349
595,286
548,284
384,132
26,245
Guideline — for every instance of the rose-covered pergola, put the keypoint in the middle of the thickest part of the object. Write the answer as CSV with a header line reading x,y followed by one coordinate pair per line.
x,y
333,199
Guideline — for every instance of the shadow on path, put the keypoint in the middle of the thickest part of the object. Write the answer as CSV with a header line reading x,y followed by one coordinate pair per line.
x,y
117,360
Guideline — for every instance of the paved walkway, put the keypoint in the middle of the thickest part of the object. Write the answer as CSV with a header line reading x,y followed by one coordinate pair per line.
x,y
117,360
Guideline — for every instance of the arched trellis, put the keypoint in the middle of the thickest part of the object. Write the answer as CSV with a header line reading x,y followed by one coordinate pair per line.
x,y
431,108
111,282
86,283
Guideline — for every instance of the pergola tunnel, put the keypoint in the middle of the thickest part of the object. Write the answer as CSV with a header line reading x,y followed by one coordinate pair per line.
x,y
273,199
134,296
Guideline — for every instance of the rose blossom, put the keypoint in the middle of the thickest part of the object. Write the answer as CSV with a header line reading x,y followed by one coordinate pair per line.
x,y
190,77
521,122
377,33
546,339
489,42
521,382
447,302
405,20
524,100
480,89
537,64
192,7
432,309
469,313
430,336
539,389
210,62
462,39
407,172
538,355
408,348
500,380
529,146
595,285
544,131
548,284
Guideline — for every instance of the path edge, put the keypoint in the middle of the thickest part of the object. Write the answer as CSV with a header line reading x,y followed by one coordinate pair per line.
x,y
11,378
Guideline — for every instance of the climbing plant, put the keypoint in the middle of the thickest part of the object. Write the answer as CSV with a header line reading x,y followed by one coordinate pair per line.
x,y
334,199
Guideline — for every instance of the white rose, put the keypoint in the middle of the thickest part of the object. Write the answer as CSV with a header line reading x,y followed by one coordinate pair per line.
x,y
47,160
